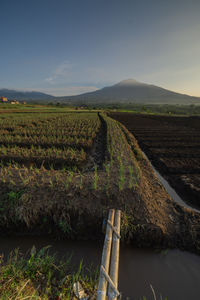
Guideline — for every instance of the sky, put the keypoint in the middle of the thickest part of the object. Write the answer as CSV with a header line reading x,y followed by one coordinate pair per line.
x,y
67,47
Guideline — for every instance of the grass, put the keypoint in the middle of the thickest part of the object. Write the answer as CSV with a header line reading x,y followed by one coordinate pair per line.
x,y
40,275
154,295
95,183
159,109
121,175
69,179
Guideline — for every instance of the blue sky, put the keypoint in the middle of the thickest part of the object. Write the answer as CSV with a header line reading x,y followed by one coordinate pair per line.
x,y
65,47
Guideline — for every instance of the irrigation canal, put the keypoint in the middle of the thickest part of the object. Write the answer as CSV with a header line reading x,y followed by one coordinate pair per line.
x,y
174,273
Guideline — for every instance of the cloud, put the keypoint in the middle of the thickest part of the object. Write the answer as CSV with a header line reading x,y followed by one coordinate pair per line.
x,y
69,90
80,74
61,91
62,71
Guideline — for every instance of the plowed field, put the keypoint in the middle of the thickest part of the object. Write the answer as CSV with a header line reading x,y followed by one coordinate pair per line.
x,y
173,146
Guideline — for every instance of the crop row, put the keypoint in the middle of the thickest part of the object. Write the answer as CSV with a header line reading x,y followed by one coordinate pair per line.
x,y
20,154
46,131
47,141
74,130
79,120
46,138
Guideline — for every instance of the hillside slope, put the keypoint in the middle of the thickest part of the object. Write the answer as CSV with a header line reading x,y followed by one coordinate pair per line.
x,y
24,96
132,91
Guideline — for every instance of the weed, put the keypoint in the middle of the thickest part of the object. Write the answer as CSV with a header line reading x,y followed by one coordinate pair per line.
x,y
95,183
131,179
81,182
107,168
129,226
12,182
51,183
154,295
121,175
64,226
40,276
14,196
69,179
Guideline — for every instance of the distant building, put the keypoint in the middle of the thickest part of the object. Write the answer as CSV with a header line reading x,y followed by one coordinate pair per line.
x,y
14,102
3,99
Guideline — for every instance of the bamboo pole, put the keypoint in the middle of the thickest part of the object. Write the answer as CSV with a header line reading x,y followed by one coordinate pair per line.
x,y
105,261
114,267
110,281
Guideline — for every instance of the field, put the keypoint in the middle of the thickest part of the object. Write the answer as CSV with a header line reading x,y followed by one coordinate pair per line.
x,y
173,146
57,161
61,171
51,141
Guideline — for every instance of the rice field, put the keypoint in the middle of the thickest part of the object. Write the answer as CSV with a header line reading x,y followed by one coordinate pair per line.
x,y
50,140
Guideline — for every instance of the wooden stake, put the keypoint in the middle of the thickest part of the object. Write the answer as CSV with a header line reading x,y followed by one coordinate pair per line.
x,y
114,267
102,287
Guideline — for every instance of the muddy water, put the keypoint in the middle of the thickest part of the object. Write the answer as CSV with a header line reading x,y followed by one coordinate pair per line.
x,y
173,273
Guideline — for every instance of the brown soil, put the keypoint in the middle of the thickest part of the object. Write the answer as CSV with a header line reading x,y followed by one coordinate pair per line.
x,y
172,144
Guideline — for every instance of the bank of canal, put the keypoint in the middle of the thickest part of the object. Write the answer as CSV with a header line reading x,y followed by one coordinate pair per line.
x,y
170,190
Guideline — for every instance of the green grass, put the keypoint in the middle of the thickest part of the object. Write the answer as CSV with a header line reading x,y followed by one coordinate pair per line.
x,y
158,109
40,275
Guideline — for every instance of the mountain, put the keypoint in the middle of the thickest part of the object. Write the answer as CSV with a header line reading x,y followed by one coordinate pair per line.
x,y
24,96
132,91
125,92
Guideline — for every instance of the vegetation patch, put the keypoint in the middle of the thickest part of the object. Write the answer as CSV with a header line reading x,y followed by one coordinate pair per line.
x,y
39,275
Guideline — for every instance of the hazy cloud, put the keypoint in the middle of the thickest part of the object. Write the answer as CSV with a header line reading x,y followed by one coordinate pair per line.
x,y
70,90
62,71
61,91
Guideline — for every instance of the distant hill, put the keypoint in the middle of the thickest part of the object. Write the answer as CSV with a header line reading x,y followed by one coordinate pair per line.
x,y
125,92
132,91
24,96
